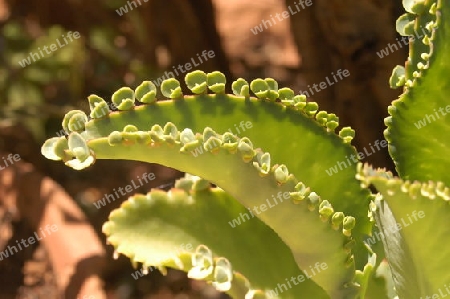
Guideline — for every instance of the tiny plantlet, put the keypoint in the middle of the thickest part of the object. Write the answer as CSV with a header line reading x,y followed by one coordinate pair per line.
x,y
281,223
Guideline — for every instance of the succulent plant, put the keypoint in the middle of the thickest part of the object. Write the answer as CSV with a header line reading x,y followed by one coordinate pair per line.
x,y
291,214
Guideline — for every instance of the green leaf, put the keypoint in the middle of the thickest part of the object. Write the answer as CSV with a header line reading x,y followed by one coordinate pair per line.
x,y
420,118
311,150
286,206
413,222
155,230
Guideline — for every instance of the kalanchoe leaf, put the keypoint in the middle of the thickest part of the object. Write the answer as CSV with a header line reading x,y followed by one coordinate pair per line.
x,y
200,184
363,277
332,122
240,87
130,128
144,229
184,184
208,133
98,106
78,146
223,275
286,96
337,220
79,149
123,98
202,263
216,82
419,119
245,147
171,89
348,225
301,192
220,167
322,117
94,100
426,65
76,122
60,148
146,92
78,165
398,77
115,138
49,151
212,140
213,145
196,81
263,164
273,89
130,135
157,133
313,201
281,174
347,134
414,6
170,132
325,210
187,136
143,137
273,85
74,119
311,108
189,140
405,24
300,101
349,245
409,216
230,142
260,88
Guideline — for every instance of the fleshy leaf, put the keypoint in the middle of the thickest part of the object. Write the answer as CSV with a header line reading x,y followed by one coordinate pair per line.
x,y
420,118
123,98
171,89
409,216
196,81
290,133
144,228
146,92
290,218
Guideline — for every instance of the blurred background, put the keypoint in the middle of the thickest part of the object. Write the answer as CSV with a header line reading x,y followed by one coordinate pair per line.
x,y
121,43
